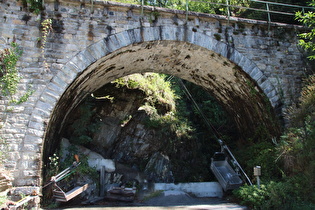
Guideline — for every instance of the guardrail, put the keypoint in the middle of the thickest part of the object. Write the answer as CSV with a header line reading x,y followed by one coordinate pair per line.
x,y
266,7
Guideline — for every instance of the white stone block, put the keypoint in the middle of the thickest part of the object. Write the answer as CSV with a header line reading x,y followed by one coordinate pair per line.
x,y
199,189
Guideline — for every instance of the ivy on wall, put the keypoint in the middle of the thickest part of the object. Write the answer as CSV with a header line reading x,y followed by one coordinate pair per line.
x,y
9,77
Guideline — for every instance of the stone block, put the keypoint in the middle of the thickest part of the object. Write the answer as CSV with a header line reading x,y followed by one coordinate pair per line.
x,y
112,43
199,189
80,62
98,50
135,35
32,140
36,125
14,155
72,66
256,74
24,190
30,147
40,112
151,34
47,98
35,132
60,82
44,106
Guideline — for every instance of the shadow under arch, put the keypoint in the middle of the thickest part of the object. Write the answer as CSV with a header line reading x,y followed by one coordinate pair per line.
x,y
234,80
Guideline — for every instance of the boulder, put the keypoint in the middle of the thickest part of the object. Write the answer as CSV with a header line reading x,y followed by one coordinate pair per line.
x,y
158,169
95,160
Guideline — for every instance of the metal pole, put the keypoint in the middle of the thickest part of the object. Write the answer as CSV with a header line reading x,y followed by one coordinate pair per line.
x,y
187,10
269,18
258,182
142,3
236,162
228,11
268,12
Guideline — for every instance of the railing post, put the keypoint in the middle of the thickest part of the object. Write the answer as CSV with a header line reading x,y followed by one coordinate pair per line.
x,y
268,12
228,10
187,10
269,18
142,3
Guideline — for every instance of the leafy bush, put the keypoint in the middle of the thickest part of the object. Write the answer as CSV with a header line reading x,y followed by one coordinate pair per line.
x,y
260,154
158,91
86,125
272,195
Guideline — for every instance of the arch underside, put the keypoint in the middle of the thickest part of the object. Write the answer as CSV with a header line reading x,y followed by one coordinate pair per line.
x,y
238,93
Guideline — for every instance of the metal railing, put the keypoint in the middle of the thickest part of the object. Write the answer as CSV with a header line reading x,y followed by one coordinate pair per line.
x,y
268,10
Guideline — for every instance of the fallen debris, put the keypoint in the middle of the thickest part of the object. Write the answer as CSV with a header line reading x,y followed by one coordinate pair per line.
x,y
121,194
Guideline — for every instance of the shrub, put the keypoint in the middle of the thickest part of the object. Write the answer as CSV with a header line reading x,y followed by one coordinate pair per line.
x,y
272,195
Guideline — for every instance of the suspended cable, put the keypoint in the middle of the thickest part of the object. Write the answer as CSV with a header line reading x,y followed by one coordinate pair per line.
x,y
215,132
189,96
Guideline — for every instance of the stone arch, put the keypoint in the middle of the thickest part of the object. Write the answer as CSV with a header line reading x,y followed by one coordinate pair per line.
x,y
71,82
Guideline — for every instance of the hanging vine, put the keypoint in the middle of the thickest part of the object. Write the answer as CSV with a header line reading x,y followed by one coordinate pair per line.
x,y
9,77
46,29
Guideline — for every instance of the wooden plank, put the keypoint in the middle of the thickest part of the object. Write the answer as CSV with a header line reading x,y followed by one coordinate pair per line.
x,y
74,192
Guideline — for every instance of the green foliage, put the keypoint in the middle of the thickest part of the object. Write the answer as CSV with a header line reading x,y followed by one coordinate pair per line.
x,y
294,153
83,169
85,126
260,154
34,6
53,164
9,76
272,195
307,40
169,124
157,90
3,199
236,8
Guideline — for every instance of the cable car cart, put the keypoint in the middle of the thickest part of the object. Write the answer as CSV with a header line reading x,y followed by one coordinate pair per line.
x,y
228,178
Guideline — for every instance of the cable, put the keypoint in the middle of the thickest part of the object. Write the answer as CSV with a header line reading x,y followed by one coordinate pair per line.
x,y
215,132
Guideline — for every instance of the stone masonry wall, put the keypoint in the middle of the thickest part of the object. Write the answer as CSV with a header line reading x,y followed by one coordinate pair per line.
x,y
77,25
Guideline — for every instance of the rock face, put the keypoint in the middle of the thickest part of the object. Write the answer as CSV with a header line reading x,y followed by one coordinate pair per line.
x,y
159,168
122,137
94,159
135,142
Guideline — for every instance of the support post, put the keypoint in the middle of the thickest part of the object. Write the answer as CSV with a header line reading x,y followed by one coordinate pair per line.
x,y
187,8
102,182
257,173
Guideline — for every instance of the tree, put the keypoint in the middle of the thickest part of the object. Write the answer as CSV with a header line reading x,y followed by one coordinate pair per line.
x,y
307,40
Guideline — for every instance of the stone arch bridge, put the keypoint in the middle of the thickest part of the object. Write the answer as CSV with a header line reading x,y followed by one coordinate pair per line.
x,y
253,69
